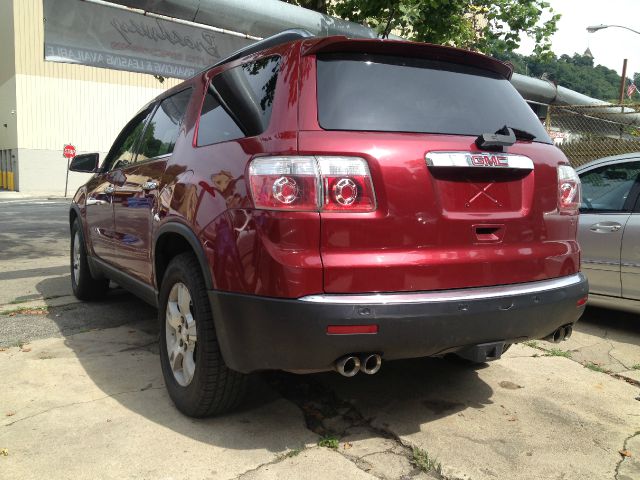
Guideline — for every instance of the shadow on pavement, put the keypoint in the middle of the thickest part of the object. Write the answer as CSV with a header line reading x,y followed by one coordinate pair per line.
x,y
115,341
613,325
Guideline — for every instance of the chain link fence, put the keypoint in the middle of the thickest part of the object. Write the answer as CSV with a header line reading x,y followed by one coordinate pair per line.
x,y
588,132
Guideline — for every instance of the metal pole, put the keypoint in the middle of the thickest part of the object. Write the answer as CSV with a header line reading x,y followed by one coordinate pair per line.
x,y
66,182
623,81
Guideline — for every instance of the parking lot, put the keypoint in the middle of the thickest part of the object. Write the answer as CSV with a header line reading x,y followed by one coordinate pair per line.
x,y
82,395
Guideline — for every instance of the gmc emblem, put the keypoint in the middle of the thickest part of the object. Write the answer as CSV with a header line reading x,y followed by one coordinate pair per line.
x,y
488,160
467,159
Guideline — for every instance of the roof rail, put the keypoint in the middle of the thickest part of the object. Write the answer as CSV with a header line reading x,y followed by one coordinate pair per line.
x,y
272,41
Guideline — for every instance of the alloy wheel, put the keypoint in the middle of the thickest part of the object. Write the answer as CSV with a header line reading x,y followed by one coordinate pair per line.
x,y
76,258
180,335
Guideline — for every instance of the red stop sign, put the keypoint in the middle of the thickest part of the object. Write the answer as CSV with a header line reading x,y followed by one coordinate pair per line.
x,y
69,151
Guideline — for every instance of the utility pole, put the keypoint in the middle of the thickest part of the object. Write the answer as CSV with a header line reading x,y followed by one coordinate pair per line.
x,y
623,81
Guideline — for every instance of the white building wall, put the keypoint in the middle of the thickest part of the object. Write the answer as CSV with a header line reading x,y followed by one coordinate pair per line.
x,y
54,111
58,103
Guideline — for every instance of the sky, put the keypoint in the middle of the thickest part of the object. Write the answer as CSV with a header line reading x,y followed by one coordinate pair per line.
x,y
609,46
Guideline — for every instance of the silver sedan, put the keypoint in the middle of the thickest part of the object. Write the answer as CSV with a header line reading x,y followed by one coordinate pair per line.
x,y
609,230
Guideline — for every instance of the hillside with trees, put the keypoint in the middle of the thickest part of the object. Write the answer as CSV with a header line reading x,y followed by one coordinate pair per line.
x,y
576,72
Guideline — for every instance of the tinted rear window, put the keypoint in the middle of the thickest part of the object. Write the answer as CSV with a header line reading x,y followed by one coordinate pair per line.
x,y
393,94
239,102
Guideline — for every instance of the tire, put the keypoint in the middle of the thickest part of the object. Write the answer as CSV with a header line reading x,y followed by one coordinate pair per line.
x,y
84,286
197,379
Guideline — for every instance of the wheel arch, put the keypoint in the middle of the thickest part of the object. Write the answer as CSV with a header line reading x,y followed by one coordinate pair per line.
x,y
174,238
74,213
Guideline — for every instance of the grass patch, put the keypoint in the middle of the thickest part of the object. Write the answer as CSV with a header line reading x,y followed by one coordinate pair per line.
x,y
636,366
329,441
423,461
531,343
595,367
291,453
26,311
558,352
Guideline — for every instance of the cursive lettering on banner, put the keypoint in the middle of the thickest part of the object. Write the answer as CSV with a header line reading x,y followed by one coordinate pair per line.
x,y
159,32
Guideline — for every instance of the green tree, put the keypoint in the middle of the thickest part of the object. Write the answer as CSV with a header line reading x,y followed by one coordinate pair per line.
x,y
488,26
576,72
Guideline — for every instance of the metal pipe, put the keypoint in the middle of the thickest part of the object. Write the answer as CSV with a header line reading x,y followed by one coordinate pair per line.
x,y
348,366
595,28
261,18
370,364
623,80
568,330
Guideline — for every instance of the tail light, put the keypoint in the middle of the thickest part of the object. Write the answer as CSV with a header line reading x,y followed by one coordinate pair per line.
x,y
346,184
568,188
312,184
284,183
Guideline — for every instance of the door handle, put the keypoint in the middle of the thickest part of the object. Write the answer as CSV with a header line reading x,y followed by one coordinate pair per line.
x,y
605,227
109,189
150,185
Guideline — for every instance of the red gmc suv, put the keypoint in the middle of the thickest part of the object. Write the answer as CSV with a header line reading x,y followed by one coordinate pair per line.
x,y
311,204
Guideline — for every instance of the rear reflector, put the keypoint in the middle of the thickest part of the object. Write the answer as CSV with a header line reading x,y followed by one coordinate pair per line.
x,y
351,329
582,301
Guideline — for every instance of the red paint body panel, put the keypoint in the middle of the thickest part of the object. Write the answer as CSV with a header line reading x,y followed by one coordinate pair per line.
x,y
422,235
132,211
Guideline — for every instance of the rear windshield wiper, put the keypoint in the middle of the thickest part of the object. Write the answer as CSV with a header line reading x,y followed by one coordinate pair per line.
x,y
505,137
523,134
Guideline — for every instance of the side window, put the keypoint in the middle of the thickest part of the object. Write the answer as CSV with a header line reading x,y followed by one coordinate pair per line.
x,y
163,129
216,125
239,102
606,189
122,152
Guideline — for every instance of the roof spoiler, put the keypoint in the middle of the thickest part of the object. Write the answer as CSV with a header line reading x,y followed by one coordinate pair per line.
x,y
272,41
341,44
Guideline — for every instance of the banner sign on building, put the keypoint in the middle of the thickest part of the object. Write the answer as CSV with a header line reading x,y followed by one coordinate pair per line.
x,y
102,36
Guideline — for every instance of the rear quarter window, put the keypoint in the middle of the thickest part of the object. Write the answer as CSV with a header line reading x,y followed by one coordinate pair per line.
x,y
394,94
239,102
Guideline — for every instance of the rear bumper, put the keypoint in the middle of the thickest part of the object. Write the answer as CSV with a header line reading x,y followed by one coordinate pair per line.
x,y
261,333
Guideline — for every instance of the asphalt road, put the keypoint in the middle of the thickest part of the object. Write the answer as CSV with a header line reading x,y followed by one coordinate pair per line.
x,y
82,394
33,229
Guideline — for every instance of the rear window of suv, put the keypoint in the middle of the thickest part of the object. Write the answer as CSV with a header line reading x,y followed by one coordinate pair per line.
x,y
238,102
395,94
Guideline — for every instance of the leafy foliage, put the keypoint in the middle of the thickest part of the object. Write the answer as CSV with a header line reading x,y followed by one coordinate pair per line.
x,y
329,441
576,72
483,25
490,26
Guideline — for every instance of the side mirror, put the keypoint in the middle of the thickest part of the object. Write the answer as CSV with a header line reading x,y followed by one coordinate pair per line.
x,y
87,163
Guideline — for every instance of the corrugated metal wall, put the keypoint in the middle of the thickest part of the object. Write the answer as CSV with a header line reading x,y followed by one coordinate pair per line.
x,y
58,103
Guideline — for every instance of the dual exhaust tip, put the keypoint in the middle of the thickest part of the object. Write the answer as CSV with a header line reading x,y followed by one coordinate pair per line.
x,y
350,365
563,333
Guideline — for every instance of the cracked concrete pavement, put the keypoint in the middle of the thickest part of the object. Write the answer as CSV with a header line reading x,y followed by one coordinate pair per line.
x,y
83,397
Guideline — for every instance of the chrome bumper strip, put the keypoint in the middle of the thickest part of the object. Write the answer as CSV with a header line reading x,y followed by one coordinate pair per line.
x,y
465,294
